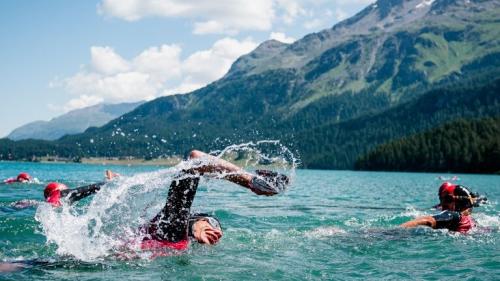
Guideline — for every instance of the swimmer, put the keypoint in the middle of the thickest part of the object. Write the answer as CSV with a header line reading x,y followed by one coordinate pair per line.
x,y
457,202
477,198
172,227
55,192
21,178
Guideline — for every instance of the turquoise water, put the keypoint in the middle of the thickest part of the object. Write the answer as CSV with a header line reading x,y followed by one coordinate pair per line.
x,y
330,225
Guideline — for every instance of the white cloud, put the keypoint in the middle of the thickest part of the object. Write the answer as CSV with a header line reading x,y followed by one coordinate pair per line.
x,y
211,26
233,16
205,66
106,61
221,16
82,101
292,9
162,63
155,71
281,37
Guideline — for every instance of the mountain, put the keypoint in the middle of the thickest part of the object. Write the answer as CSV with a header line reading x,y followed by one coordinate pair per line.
x,y
342,144
391,54
73,122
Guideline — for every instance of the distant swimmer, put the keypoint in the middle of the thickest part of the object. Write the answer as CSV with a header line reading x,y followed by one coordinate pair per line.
x,y
21,178
172,227
55,192
477,198
456,203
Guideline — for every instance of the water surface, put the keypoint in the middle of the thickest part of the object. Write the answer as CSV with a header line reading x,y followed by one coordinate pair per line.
x,y
330,225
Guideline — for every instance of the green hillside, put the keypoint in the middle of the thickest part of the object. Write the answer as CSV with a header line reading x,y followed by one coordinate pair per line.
x,y
340,144
470,146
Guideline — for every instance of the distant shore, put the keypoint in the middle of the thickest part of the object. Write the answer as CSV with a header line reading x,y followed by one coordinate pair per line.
x,y
126,161
171,161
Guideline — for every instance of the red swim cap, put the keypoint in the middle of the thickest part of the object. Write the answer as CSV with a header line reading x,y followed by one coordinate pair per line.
x,y
23,177
52,193
457,194
446,188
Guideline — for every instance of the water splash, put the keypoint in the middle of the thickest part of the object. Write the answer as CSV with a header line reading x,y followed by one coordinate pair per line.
x,y
108,224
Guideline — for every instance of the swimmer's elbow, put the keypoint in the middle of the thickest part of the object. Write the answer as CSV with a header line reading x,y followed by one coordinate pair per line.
x,y
196,154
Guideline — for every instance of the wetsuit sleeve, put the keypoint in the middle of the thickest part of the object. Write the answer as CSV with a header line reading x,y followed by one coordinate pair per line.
x,y
172,223
79,193
447,219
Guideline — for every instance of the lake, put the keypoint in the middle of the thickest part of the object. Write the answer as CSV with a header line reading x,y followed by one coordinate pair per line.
x,y
329,225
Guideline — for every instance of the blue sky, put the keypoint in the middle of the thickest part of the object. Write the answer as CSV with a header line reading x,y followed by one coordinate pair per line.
x,y
61,55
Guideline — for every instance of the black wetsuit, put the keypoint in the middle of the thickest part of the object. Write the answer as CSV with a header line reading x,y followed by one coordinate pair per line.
x,y
454,221
174,222
76,194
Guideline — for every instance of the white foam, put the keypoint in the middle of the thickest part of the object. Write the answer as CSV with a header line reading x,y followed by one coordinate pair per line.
x,y
323,232
110,220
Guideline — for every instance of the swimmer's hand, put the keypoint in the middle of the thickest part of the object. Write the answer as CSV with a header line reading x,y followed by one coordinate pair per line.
x,y
111,175
204,233
269,183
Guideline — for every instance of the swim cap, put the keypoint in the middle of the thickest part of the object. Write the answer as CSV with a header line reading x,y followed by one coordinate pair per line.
x,y
23,177
446,188
52,193
451,193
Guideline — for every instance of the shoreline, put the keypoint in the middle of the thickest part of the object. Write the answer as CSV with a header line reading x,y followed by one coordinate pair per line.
x,y
170,161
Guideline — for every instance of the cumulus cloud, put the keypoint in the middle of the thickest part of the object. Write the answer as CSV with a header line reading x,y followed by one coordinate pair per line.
x,y
156,71
222,16
292,9
106,61
233,16
81,102
281,37
205,66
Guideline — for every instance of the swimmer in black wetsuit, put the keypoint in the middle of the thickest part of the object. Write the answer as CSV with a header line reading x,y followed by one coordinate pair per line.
x,y
172,227
457,202
56,191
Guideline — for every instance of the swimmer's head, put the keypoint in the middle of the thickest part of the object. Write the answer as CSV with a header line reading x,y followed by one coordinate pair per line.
x,y
209,238
454,197
52,193
23,177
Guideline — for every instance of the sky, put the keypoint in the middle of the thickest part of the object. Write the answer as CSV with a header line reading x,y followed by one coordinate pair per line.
x,y
59,55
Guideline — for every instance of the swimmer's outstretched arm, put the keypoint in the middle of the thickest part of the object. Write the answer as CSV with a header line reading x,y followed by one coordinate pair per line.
x,y
79,193
425,221
445,219
76,194
217,165
272,185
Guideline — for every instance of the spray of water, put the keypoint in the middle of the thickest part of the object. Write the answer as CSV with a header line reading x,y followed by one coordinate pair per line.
x,y
105,226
